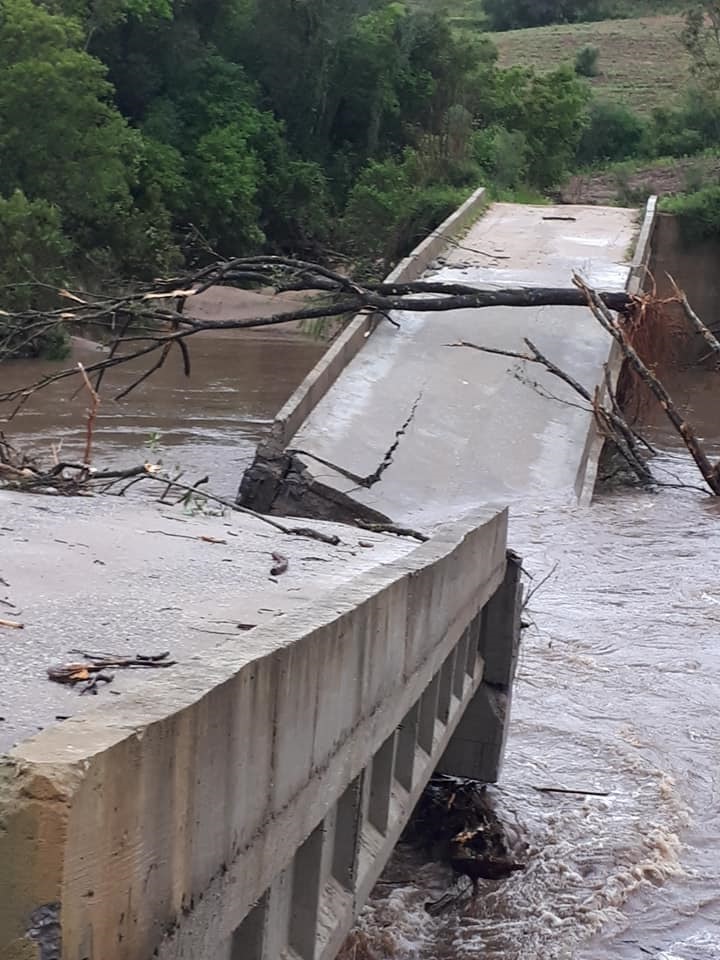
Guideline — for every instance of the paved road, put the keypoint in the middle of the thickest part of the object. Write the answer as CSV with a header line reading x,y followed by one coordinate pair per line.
x,y
478,434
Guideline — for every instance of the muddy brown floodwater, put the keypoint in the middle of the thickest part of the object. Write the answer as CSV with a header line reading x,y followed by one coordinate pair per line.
x,y
617,692
207,425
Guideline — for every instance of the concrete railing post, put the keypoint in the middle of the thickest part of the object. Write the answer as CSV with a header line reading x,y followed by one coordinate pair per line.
x,y
477,746
307,884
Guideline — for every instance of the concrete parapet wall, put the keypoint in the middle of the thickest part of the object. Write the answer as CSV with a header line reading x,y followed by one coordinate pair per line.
x,y
587,474
324,374
158,827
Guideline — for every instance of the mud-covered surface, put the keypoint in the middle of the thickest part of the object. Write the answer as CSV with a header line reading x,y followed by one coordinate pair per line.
x,y
100,574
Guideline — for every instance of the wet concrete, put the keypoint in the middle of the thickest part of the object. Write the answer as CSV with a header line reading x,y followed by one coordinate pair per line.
x,y
475,434
101,574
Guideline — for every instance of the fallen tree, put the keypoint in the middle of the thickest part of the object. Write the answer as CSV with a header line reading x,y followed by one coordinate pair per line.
x,y
155,320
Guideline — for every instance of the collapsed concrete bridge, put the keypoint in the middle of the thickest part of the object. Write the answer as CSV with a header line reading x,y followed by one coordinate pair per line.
x,y
242,805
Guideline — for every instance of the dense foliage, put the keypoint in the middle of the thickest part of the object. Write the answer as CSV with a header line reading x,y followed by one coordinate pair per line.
x,y
517,14
135,134
513,14
129,129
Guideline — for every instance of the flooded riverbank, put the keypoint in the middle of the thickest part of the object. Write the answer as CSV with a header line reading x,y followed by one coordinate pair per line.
x,y
616,690
207,425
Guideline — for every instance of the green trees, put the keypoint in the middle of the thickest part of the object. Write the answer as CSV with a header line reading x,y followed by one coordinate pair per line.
x,y
281,123
513,14
61,138
701,38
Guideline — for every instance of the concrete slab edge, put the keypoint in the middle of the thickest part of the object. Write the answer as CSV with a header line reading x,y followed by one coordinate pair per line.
x,y
339,354
251,748
587,472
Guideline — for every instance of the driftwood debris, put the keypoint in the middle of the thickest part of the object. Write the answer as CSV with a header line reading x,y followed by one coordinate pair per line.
x,y
695,322
455,822
92,668
710,472
153,319
610,421
280,564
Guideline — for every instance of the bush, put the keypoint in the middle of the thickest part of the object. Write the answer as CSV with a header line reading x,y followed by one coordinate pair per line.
x,y
613,133
698,213
586,62
502,155
513,14
689,128
390,208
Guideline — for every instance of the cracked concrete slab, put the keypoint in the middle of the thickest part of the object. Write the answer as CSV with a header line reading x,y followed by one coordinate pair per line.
x,y
479,435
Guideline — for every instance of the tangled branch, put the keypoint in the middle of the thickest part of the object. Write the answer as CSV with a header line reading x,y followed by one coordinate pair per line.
x,y
154,319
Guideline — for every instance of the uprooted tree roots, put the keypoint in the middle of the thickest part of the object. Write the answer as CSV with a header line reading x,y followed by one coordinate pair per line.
x,y
455,823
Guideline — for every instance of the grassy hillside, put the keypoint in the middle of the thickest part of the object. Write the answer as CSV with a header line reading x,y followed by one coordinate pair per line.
x,y
468,14
642,62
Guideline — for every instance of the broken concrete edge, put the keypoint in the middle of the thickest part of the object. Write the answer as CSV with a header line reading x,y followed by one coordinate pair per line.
x,y
278,482
587,472
201,785
342,350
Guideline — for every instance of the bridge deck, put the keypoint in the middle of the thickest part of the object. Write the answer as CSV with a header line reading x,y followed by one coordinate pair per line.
x,y
478,434
107,575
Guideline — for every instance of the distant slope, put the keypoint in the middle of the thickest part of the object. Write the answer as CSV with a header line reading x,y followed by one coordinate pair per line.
x,y
642,61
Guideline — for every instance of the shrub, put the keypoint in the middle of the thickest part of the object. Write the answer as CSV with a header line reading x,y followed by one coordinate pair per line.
x,y
698,213
502,155
688,128
390,208
613,133
511,14
32,245
586,62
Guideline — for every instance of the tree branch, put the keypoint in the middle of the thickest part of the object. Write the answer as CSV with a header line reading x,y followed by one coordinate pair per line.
x,y
161,308
710,472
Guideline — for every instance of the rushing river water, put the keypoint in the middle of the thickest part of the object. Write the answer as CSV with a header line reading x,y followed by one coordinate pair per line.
x,y
617,693
617,689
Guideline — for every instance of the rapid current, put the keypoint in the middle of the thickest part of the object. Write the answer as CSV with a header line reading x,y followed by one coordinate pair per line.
x,y
617,692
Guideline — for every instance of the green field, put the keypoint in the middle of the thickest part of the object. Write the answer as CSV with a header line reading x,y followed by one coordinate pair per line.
x,y
642,62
